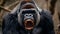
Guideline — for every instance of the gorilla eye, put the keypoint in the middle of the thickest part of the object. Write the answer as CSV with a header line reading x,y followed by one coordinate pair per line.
x,y
26,15
30,15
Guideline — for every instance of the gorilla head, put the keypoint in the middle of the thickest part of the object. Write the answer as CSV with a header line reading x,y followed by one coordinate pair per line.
x,y
28,16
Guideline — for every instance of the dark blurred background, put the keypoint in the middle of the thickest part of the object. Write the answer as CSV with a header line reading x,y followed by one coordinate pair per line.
x,y
53,5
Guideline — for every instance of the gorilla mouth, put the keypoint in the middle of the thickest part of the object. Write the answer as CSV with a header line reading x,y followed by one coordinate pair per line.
x,y
29,24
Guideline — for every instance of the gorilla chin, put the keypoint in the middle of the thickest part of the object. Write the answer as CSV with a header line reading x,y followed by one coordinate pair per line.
x,y
29,24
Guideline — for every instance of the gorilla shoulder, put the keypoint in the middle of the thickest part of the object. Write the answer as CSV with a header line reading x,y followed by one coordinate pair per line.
x,y
8,18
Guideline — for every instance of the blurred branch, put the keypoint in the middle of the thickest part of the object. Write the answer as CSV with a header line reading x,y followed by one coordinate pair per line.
x,y
12,4
1,1
6,9
52,6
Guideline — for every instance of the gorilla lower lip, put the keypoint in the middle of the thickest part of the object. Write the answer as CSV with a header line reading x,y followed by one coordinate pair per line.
x,y
29,28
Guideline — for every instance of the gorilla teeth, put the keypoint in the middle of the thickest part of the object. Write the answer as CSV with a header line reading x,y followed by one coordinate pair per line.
x,y
29,28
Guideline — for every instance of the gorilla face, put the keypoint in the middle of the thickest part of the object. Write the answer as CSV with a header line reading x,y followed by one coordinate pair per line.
x,y
29,19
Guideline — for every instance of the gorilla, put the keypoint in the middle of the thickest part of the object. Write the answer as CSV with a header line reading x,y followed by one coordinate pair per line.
x,y
27,18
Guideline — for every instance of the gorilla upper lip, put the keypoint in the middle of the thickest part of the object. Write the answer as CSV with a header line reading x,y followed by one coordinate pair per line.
x,y
29,24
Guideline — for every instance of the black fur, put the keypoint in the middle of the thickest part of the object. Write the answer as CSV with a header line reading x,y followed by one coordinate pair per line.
x,y
10,23
11,26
